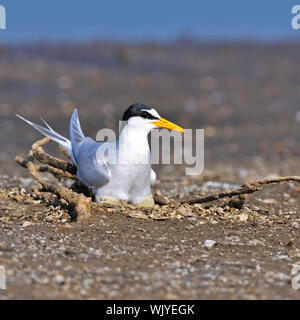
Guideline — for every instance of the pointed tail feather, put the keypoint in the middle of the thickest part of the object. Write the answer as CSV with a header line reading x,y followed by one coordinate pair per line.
x,y
46,124
53,135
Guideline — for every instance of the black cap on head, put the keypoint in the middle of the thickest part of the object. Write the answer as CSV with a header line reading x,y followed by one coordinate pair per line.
x,y
138,110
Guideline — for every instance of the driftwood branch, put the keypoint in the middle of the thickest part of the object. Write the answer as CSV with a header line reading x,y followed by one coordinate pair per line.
x,y
37,151
59,168
247,188
58,173
81,204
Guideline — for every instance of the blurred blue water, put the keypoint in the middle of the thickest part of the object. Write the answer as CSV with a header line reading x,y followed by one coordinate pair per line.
x,y
84,20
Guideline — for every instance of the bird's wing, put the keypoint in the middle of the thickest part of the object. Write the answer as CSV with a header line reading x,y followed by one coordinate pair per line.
x,y
92,170
76,135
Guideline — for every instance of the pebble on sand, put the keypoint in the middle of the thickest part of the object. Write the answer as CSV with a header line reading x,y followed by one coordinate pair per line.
x,y
208,244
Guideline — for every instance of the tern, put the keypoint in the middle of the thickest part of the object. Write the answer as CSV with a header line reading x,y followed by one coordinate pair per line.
x,y
112,181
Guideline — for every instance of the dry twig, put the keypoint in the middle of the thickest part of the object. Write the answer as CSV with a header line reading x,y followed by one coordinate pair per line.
x,y
58,167
244,189
39,154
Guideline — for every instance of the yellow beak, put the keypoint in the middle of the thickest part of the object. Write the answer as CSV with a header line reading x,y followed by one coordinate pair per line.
x,y
163,123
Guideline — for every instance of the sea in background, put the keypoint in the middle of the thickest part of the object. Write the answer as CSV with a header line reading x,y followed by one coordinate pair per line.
x,y
136,20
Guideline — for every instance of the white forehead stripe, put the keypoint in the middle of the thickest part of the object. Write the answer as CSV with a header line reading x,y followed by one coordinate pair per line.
x,y
153,112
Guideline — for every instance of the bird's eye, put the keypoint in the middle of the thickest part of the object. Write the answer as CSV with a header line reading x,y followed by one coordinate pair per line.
x,y
145,114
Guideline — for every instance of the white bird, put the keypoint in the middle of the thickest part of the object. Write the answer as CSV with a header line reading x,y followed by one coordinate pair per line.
x,y
129,175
